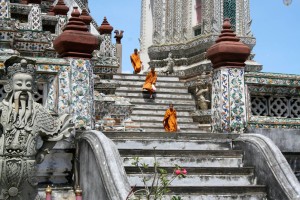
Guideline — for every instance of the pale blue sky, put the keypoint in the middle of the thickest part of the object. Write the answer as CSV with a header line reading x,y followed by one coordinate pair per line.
x,y
275,26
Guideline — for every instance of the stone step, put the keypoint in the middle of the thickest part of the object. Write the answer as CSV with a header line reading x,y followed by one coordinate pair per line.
x,y
158,90
196,179
205,127
172,144
147,129
157,106
184,158
156,95
197,170
134,100
143,77
250,192
133,82
205,136
159,118
158,124
157,112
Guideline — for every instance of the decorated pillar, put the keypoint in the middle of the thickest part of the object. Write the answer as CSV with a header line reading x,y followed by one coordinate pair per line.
x,y
60,10
4,9
119,36
228,90
77,44
35,19
105,30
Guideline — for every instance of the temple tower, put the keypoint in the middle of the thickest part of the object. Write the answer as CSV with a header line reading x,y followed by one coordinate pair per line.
x,y
187,28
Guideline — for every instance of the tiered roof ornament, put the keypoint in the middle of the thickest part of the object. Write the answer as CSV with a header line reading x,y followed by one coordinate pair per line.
x,y
86,18
105,27
228,50
75,41
60,8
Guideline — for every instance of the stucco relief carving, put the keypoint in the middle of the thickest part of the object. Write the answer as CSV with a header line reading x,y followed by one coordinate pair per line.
x,y
23,121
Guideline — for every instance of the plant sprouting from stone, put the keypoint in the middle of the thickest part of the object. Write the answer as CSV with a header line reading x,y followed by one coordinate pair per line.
x,y
159,180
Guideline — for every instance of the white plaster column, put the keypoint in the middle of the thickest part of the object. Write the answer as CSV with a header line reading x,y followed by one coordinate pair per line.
x,y
119,56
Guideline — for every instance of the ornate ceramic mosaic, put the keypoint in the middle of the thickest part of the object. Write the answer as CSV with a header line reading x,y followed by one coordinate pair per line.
x,y
35,22
272,79
81,92
273,122
4,9
228,100
274,100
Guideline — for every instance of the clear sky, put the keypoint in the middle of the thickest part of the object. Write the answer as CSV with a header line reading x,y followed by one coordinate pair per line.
x,y
275,26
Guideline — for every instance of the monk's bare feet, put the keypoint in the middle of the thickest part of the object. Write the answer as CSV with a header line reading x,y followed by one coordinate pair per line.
x,y
151,97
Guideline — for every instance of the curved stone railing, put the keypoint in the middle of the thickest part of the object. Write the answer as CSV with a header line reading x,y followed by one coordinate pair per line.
x,y
100,172
271,167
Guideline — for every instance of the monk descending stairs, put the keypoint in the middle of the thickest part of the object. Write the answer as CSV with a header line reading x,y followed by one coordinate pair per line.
x,y
215,170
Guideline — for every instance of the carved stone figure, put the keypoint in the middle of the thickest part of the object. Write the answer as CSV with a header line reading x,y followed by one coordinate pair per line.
x,y
23,121
170,64
202,102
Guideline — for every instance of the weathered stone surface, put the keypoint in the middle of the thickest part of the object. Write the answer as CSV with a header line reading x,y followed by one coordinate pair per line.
x,y
101,167
271,167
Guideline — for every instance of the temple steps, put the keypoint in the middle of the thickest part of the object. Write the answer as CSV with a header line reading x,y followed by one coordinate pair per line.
x,y
160,83
156,106
178,135
146,95
160,112
184,158
159,118
198,179
172,144
215,170
147,123
252,192
142,77
159,128
139,88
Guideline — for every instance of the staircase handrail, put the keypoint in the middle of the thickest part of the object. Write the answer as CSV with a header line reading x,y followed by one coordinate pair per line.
x,y
108,162
271,167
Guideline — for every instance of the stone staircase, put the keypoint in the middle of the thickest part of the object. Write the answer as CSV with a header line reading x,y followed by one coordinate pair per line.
x,y
149,113
215,170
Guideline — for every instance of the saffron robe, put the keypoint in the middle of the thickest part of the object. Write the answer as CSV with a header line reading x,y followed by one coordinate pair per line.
x,y
150,79
136,62
170,120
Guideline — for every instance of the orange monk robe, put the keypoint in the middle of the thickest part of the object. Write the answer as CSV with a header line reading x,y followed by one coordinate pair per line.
x,y
136,62
150,79
170,120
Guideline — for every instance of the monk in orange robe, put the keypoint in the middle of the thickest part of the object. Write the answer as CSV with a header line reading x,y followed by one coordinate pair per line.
x,y
170,120
136,61
150,81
